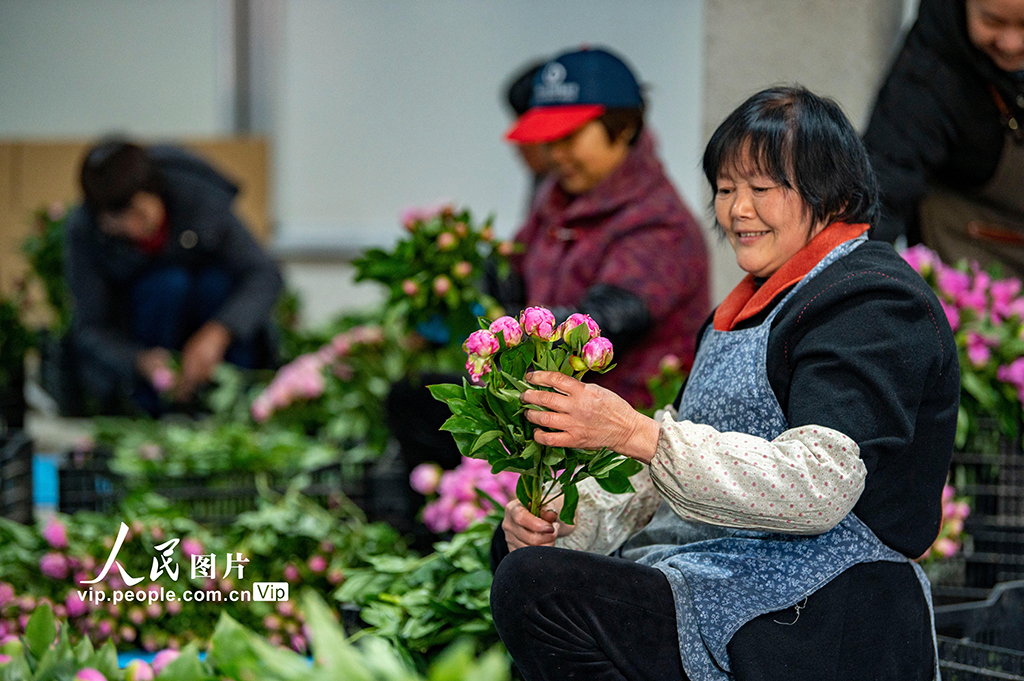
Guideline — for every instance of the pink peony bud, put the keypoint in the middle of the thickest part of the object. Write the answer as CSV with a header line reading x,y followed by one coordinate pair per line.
x,y
670,363
462,270
946,547
446,241
317,564
442,285
164,658
478,367
173,607
74,605
487,233
54,565
579,319
506,248
961,510
89,674
597,353
424,478
335,576
55,534
162,379
410,287
509,327
291,573
539,323
272,622
481,343
191,547
139,670
6,594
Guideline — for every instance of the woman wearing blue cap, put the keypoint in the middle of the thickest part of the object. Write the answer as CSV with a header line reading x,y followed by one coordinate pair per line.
x,y
772,530
608,234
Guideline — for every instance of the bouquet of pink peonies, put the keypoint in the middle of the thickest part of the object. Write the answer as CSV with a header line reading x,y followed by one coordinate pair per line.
x,y
488,419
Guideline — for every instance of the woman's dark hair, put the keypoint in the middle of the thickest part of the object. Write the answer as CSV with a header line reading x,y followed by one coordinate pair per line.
x,y
113,172
804,142
618,121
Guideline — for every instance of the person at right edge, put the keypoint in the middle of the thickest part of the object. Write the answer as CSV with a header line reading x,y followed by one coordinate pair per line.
x,y
608,234
945,135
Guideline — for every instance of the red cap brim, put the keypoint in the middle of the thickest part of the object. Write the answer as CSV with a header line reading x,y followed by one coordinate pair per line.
x,y
549,123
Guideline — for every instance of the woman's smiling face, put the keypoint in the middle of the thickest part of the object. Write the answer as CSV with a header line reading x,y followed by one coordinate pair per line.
x,y
766,222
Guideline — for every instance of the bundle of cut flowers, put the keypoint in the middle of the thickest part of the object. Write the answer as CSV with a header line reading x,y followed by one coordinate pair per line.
x,y
954,511
433,274
986,316
489,421
336,391
464,495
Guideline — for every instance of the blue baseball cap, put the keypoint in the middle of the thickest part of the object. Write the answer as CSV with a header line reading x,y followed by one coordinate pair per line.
x,y
572,90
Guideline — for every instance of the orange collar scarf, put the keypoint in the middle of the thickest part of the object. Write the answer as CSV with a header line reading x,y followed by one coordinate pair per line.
x,y
746,300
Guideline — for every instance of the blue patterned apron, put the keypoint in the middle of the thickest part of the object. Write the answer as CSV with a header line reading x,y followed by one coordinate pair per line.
x,y
721,584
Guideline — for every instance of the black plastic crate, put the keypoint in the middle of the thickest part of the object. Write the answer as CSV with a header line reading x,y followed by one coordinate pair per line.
x,y
85,483
16,452
965,661
997,620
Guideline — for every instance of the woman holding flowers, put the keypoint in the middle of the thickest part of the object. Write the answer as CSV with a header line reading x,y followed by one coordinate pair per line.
x,y
808,450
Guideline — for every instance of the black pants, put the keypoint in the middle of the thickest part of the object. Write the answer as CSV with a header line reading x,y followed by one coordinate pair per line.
x,y
573,615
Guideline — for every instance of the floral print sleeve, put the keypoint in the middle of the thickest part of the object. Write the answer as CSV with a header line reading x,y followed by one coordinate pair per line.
x,y
803,482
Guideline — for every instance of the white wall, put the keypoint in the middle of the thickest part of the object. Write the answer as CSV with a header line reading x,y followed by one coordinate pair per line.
x,y
159,68
382,105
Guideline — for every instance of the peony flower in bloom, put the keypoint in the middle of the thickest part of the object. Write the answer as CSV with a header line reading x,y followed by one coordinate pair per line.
x,y
539,323
466,514
55,534
89,674
164,658
424,478
54,565
462,270
437,515
952,314
953,283
481,343
442,285
139,670
579,319
597,353
410,287
509,328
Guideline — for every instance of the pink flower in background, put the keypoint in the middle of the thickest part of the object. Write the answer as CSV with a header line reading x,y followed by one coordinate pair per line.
x,y
89,674
446,241
139,670
945,547
437,515
960,510
162,379
442,285
6,594
291,573
670,363
952,314
424,478
465,514
1004,293
481,343
508,327
460,502
922,259
74,605
954,283
506,248
410,287
4,659
164,658
1012,373
978,351
55,534
191,547
462,269
539,322
597,353
54,565
262,410
317,564
578,319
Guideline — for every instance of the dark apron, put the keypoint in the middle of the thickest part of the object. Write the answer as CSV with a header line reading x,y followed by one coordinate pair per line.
x,y
987,224
721,584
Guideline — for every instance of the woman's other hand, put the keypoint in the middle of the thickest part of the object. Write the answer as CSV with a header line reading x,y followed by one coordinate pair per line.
x,y
587,416
522,528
